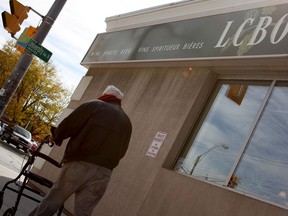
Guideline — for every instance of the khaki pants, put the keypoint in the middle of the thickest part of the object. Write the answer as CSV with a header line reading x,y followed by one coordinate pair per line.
x,y
88,181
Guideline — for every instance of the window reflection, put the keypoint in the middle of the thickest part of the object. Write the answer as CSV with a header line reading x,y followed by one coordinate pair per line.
x,y
263,169
248,119
227,123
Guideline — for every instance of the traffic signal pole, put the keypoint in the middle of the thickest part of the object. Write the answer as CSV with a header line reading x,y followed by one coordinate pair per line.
x,y
17,74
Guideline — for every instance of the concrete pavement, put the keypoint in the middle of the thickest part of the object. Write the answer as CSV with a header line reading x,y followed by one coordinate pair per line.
x,y
7,173
9,198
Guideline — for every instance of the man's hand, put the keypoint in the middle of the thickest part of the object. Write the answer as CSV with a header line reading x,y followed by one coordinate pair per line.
x,y
51,139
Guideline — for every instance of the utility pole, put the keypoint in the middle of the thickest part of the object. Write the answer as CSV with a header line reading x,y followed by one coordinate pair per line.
x,y
17,74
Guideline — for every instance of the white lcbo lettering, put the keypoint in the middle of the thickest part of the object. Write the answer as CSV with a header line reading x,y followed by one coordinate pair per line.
x,y
219,44
260,29
276,28
238,32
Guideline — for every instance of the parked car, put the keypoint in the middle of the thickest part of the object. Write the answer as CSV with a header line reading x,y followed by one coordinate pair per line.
x,y
17,136
2,126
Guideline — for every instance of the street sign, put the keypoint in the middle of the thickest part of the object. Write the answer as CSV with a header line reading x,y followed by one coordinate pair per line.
x,y
38,50
33,47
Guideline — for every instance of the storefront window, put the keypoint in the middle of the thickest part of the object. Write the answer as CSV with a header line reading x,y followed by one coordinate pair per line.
x,y
242,140
263,168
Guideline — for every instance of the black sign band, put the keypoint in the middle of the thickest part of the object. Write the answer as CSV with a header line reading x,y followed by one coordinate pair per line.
x,y
254,32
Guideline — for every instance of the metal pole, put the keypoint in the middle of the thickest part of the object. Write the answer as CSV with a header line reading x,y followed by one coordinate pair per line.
x,y
17,74
200,157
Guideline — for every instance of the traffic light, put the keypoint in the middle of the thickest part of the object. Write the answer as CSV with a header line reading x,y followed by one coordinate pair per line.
x,y
10,23
30,31
236,93
19,13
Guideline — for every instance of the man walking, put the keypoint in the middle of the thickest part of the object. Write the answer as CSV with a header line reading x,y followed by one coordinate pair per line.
x,y
99,132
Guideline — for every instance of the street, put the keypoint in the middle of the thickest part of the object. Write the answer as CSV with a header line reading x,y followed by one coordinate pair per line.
x,y
11,158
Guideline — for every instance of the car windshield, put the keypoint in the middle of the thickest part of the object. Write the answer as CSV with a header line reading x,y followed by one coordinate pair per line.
x,y
23,132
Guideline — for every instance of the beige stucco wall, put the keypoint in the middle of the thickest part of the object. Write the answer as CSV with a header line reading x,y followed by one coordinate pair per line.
x,y
166,99
157,99
163,99
174,194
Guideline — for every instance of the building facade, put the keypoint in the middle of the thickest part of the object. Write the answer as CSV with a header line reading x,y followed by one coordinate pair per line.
x,y
206,88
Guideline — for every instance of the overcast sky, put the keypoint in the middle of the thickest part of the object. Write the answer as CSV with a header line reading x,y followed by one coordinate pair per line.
x,y
75,29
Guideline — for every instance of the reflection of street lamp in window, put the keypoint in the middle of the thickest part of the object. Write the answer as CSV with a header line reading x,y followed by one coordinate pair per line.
x,y
201,156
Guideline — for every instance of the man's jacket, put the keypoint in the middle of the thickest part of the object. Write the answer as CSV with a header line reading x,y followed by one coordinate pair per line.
x,y
99,133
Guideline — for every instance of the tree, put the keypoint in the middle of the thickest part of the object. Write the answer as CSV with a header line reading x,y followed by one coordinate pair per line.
x,y
39,98
8,58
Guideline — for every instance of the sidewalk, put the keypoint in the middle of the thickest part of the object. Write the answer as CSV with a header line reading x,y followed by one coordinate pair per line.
x,y
26,205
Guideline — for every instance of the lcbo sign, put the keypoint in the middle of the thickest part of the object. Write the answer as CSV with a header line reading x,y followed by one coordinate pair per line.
x,y
261,31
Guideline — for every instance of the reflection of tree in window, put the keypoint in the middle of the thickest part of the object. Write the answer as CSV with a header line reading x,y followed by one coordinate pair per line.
x,y
233,182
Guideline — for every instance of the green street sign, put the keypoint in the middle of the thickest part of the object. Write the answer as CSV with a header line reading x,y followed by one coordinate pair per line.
x,y
32,46
38,50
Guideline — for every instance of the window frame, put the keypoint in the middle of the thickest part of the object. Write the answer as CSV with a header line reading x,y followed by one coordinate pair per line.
x,y
249,135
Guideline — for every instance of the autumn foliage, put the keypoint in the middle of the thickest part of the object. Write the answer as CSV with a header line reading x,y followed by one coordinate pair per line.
x,y
40,97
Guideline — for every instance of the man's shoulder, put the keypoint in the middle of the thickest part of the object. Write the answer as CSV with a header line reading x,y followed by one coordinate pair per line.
x,y
92,102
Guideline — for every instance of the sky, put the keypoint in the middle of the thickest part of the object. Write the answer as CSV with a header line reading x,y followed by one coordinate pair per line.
x,y
74,29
